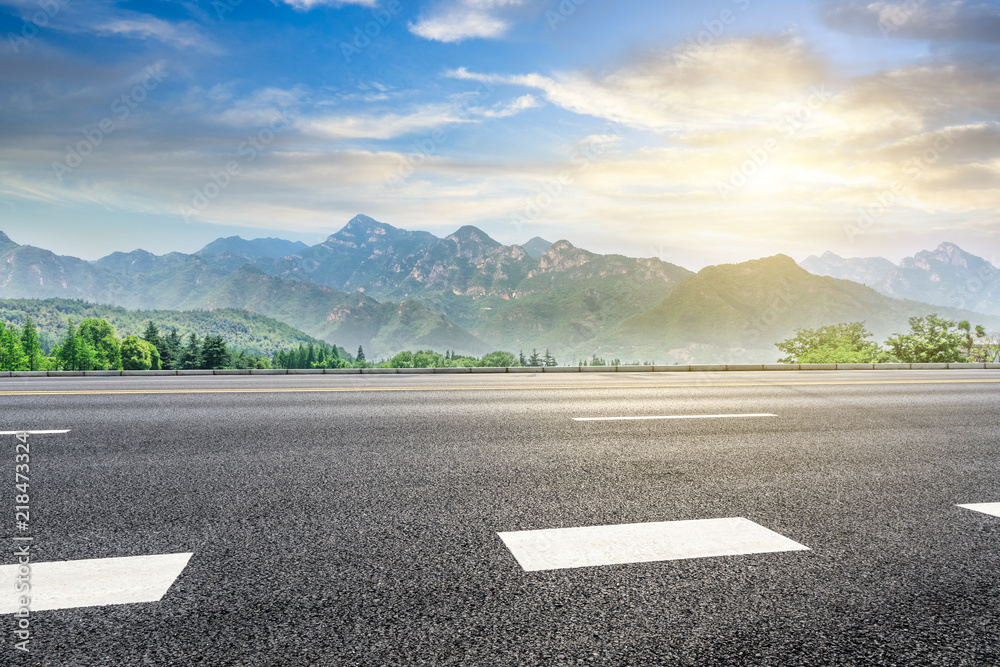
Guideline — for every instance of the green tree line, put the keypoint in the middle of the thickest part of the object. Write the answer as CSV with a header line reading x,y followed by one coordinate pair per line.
x,y
931,339
94,344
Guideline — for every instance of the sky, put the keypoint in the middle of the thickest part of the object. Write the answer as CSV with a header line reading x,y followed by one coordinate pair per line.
x,y
700,133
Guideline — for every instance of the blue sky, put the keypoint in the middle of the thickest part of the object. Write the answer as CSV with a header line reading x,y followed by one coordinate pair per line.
x,y
698,132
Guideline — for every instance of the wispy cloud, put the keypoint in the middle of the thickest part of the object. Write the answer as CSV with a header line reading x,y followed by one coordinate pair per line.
x,y
458,20
949,20
385,126
720,83
306,5
182,35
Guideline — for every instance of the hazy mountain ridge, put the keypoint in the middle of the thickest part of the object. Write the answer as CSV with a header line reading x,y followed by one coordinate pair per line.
x,y
500,293
946,276
252,249
141,280
738,311
389,289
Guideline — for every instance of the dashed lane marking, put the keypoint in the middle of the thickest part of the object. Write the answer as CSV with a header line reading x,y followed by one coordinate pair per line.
x,y
608,419
562,548
88,583
985,508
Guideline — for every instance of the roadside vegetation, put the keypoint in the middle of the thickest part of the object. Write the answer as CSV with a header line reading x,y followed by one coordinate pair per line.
x,y
931,339
94,344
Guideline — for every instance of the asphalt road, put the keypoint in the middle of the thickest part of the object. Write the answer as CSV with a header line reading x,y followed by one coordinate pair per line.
x,y
354,520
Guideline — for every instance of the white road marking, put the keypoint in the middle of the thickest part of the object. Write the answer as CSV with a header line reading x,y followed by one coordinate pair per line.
x,y
561,548
985,508
608,419
90,583
31,432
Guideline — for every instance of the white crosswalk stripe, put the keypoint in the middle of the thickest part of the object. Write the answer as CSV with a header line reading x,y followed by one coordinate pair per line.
x,y
88,583
985,508
562,548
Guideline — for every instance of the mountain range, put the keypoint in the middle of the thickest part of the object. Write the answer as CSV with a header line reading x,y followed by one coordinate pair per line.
x,y
390,289
946,276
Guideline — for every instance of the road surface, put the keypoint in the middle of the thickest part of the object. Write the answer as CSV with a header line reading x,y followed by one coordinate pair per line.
x,y
342,520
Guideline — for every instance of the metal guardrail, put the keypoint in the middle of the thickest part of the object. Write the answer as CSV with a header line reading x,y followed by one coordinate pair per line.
x,y
699,368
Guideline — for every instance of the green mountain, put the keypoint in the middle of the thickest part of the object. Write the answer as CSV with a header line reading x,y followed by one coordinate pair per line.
x,y
242,330
269,247
141,280
736,312
349,319
502,294
30,272
390,289
536,247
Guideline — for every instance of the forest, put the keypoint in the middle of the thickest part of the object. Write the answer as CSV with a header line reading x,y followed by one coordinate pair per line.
x,y
94,344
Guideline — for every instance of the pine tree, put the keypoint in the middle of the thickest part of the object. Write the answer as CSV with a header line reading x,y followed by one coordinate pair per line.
x,y
170,350
191,355
29,343
68,351
152,335
549,359
534,359
213,352
524,362
11,353
361,354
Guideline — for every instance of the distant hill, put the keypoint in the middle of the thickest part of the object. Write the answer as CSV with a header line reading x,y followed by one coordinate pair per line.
x,y
241,330
946,276
176,281
389,289
738,311
252,249
30,272
501,294
536,247
864,270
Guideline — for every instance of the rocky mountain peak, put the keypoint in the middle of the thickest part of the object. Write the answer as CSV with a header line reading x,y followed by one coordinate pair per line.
x,y
359,228
946,253
469,235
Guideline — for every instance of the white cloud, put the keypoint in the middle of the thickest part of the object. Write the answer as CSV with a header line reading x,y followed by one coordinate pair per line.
x,y
181,35
512,108
306,5
458,20
422,119
383,126
723,83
